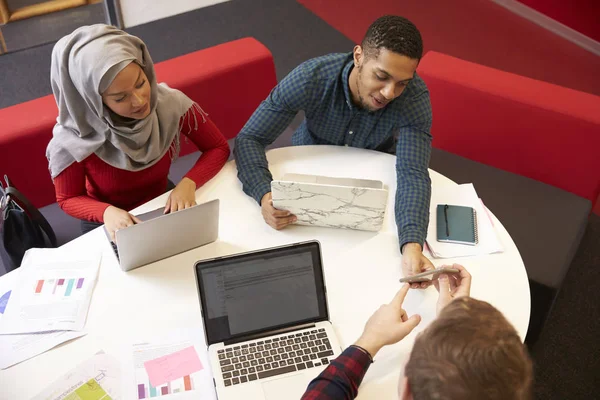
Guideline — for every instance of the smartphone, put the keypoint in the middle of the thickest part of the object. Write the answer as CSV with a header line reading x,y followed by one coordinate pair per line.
x,y
430,275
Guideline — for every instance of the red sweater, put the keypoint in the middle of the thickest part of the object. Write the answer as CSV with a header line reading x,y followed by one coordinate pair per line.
x,y
84,190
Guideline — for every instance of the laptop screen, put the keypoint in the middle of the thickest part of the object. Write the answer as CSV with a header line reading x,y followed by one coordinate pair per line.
x,y
261,291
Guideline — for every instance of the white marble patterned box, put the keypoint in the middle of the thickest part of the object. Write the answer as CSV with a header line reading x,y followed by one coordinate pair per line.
x,y
332,202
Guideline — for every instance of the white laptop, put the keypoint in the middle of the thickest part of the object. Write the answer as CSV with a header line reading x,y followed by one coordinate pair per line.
x,y
164,235
266,321
332,202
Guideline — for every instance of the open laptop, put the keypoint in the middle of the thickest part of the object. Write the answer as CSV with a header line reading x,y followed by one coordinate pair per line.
x,y
266,321
164,235
332,202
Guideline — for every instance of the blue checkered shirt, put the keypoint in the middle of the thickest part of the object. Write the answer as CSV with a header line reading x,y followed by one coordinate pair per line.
x,y
319,87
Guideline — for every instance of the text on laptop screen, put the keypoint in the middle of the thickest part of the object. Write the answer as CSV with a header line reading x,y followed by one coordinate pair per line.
x,y
258,292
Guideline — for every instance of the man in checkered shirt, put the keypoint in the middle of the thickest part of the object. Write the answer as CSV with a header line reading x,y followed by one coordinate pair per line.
x,y
371,98
470,351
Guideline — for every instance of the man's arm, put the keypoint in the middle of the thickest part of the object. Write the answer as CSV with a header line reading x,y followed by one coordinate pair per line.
x,y
388,325
413,192
292,94
341,379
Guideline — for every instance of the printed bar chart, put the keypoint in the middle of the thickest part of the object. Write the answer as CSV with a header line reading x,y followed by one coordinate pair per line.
x,y
39,286
147,391
69,287
171,366
61,286
187,383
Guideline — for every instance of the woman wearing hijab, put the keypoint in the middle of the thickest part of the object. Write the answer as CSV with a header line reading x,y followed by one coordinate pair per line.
x,y
117,131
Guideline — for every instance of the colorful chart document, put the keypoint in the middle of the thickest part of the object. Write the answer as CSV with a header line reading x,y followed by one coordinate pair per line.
x,y
53,292
20,347
172,366
98,378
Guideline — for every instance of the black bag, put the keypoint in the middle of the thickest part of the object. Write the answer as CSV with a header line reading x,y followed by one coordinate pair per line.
x,y
23,226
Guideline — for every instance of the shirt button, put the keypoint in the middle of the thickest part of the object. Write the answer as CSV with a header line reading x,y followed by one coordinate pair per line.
x,y
350,132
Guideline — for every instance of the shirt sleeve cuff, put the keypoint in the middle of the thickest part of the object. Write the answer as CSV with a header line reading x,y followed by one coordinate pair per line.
x,y
360,357
260,190
411,237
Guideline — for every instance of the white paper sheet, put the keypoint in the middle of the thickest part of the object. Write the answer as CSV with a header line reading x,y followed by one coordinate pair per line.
x,y
53,292
17,348
463,195
197,385
20,347
97,378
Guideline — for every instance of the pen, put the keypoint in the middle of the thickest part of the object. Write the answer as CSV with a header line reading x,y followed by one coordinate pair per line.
x,y
446,218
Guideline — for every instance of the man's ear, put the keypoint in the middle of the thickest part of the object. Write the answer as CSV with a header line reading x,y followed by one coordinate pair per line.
x,y
358,55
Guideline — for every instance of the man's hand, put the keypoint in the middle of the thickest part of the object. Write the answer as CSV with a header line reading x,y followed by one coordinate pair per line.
x,y
388,325
116,218
452,286
277,219
414,262
182,197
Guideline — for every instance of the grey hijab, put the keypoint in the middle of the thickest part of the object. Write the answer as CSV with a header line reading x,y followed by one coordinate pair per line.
x,y
84,65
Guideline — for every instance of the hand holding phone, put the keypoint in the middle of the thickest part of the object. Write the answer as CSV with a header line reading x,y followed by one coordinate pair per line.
x,y
453,287
430,275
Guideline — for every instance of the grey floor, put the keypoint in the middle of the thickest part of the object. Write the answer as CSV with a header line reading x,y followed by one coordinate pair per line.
x,y
567,353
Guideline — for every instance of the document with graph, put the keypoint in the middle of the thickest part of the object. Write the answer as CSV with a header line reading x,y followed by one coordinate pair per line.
x,y
98,378
53,291
17,348
173,365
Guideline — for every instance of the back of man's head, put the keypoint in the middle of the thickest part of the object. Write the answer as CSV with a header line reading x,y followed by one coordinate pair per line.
x,y
394,33
469,352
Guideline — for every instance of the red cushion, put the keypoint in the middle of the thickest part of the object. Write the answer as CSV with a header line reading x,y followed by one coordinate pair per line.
x,y
521,125
228,81
26,129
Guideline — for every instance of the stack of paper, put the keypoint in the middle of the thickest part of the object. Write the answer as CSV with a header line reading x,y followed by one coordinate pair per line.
x,y
47,305
461,195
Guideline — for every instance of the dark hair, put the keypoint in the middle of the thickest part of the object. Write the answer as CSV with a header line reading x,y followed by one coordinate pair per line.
x,y
393,33
469,352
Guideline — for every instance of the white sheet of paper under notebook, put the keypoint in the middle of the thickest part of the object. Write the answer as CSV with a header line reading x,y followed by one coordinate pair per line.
x,y
461,195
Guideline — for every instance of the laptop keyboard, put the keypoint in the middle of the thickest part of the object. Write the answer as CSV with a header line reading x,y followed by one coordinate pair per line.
x,y
114,246
274,356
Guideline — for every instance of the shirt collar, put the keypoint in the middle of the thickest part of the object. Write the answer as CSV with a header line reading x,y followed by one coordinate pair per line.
x,y
345,81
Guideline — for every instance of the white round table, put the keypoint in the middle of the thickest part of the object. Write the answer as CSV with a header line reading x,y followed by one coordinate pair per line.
x,y
362,270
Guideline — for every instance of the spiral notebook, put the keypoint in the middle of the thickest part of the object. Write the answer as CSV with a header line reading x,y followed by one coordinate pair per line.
x,y
457,224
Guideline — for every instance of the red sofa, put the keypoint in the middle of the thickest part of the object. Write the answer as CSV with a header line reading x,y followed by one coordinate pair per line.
x,y
228,81
517,124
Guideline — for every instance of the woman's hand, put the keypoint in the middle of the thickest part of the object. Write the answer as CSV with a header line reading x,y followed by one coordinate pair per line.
x,y
182,197
116,218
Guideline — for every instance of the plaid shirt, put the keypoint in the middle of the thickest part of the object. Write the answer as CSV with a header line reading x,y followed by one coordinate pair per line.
x,y
341,379
319,87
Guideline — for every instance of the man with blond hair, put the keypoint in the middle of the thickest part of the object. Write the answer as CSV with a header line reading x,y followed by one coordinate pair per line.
x,y
469,352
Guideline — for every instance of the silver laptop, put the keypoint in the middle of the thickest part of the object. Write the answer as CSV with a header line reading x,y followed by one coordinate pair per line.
x,y
164,235
266,321
332,202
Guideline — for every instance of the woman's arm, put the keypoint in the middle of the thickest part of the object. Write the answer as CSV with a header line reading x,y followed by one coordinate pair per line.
x,y
210,141
72,197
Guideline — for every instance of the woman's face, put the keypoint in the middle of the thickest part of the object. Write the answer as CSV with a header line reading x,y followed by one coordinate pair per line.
x,y
129,93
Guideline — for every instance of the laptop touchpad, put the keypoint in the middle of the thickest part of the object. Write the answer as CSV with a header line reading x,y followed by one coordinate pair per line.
x,y
292,387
